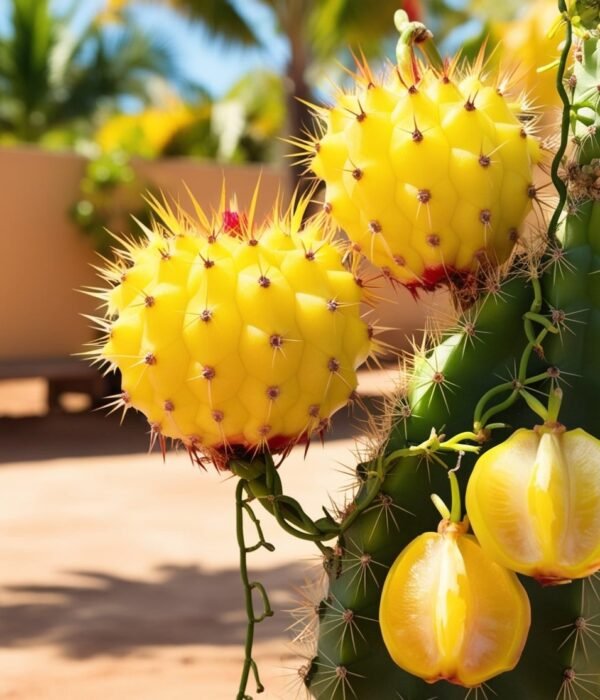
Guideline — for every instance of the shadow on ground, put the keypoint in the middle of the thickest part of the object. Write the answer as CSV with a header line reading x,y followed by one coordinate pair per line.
x,y
109,615
94,433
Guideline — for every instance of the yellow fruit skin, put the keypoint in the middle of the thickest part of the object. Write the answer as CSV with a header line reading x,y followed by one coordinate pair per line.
x,y
534,503
448,612
422,177
245,338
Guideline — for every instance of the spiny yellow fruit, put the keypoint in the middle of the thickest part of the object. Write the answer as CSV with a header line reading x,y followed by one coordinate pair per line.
x,y
429,178
232,336
534,503
529,43
449,612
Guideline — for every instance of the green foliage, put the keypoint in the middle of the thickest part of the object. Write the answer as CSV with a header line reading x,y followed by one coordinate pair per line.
x,y
222,17
110,195
52,79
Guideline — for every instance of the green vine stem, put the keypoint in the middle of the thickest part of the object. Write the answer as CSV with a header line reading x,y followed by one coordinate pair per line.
x,y
482,414
262,481
534,404
565,125
554,404
242,506
455,500
414,34
454,513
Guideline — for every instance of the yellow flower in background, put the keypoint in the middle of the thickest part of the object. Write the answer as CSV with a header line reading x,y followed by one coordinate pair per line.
x,y
145,133
111,11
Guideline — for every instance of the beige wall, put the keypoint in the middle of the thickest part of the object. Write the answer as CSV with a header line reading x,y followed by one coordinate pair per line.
x,y
43,257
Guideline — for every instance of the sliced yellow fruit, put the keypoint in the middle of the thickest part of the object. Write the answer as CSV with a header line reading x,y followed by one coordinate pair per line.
x,y
449,612
534,503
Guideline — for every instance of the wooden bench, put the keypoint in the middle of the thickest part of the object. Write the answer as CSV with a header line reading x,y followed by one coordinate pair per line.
x,y
63,374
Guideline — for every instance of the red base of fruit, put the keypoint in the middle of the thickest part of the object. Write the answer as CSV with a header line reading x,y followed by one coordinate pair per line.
x,y
220,455
439,276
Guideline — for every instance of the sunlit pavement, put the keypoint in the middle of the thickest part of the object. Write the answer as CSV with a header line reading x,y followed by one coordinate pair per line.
x,y
119,574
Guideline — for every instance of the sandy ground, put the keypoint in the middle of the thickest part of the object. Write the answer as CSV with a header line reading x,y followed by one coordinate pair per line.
x,y
118,572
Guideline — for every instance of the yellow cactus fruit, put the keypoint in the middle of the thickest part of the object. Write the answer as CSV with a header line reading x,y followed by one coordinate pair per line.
x,y
449,612
232,336
534,503
529,43
429,172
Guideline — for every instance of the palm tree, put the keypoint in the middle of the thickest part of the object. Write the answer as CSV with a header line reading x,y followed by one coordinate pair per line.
x,y
315,31
51,78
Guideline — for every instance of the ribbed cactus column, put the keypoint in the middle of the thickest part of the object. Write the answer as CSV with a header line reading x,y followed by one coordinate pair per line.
x,y
537,330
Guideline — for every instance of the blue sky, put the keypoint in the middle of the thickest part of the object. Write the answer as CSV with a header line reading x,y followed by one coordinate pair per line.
x,y
211,63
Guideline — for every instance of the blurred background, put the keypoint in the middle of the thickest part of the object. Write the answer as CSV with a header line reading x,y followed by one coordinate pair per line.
x,y
118,573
